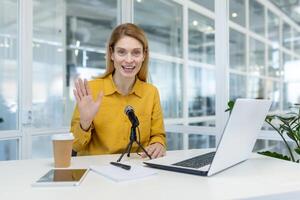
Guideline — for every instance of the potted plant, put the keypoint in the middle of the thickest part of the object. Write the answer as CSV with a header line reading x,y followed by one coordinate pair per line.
x,y
285,125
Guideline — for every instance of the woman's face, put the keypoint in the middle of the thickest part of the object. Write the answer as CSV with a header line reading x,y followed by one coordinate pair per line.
x,y
128,56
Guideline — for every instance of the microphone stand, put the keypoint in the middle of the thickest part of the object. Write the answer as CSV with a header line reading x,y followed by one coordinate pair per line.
x,y
132,140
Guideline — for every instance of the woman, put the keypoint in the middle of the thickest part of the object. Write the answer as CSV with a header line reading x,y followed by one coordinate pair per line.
x,y
99,123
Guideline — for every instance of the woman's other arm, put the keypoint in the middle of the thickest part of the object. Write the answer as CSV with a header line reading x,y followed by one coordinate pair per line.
x,y
157,144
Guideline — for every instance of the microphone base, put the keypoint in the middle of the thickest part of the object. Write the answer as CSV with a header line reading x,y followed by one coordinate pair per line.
x,y
129,146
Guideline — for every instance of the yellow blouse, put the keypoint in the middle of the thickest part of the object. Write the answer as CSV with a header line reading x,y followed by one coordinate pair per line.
x,y
110,130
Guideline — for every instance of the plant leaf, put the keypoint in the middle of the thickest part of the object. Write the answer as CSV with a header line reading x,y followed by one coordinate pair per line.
x,y
296,134
275,155
230,105
285,120
295,120
291,135
228,109
269,118
297,150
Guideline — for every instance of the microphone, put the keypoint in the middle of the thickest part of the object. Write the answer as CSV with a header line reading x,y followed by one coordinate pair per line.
x,y
132,117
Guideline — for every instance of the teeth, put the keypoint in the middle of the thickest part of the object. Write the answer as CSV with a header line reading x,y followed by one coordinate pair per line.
x,y
128,67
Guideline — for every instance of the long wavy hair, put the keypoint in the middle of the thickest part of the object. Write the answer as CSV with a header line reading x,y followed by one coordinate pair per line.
x,y
131,30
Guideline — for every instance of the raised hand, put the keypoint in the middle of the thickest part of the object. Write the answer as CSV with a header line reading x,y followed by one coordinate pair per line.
x,y
87,107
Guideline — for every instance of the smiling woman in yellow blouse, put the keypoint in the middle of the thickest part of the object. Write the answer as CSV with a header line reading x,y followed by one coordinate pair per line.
x,y
99,123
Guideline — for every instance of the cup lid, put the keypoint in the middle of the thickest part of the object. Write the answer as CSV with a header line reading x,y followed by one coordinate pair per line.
x,y
65,136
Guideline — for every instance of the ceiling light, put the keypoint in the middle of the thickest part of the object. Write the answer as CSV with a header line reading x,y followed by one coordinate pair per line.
x,y
209,29
234,15
77,43
195,22
297,9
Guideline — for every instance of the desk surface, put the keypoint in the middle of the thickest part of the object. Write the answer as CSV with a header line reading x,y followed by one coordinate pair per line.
x,y
257,178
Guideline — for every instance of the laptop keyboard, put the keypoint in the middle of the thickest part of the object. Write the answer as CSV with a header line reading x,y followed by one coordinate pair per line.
x,y
198,161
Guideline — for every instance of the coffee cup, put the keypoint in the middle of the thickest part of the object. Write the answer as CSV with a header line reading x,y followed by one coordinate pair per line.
x,y
62,149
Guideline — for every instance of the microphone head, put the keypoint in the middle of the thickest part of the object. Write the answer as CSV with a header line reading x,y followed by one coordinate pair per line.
x,y
128,109
130,113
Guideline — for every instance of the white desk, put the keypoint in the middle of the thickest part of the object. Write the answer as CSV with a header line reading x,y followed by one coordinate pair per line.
x,y
257,178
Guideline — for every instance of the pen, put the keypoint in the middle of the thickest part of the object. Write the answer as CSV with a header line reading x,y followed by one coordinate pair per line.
x,y
123,166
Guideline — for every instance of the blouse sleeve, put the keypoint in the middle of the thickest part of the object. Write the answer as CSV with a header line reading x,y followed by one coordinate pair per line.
x,y
82,137
157,125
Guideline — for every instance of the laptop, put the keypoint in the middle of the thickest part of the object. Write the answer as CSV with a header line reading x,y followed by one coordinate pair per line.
x,y
235,146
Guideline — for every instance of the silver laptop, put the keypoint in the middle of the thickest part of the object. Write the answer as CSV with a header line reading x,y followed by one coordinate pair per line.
x,y
235,145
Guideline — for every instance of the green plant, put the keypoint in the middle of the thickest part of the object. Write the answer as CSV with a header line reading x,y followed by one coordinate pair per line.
x,y
287,124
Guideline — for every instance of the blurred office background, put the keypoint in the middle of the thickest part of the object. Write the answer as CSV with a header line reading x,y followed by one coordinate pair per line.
x,y
203,53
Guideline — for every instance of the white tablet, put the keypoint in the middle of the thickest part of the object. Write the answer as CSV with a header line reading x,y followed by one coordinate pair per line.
x,y
62,177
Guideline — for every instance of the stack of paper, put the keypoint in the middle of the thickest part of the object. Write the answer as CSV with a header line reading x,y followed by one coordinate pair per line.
x,y
119,174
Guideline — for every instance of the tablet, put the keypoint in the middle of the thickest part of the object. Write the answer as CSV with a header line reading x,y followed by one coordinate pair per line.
x,y
62,177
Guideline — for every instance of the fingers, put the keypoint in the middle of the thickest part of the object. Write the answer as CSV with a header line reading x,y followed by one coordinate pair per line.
x,y
151,150
76,95
78,89
144,155
87,88
155,150
158,152
82,87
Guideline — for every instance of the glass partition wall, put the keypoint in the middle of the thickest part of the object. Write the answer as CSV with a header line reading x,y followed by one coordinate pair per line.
x,y
264,50
69,39
9,81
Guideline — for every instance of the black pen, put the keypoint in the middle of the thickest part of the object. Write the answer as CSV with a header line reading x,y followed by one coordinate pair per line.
x,y
123,166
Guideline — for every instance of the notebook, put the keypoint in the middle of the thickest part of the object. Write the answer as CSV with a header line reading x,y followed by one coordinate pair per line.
x,y
118,174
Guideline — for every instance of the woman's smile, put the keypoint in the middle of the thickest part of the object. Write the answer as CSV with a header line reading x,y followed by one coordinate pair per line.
x,y
128,68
